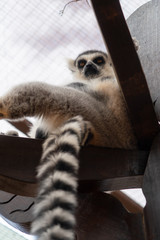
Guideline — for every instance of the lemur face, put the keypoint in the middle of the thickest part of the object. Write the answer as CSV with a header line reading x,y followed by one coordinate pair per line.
x,y
91,65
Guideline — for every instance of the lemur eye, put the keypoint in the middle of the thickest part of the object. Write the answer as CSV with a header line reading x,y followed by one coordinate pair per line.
x,y
81,63
99,60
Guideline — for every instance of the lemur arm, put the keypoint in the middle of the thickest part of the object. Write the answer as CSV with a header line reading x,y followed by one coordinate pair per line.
x,y
36,99
109,122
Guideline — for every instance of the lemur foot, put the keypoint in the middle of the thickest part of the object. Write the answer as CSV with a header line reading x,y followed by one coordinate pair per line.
x,y
85,132
12,133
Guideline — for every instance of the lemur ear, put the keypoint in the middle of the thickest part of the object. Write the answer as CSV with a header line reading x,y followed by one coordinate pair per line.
x,y
71,65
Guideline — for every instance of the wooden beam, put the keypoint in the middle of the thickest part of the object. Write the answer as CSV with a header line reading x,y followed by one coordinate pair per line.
x,y
150,187
128,69
100,168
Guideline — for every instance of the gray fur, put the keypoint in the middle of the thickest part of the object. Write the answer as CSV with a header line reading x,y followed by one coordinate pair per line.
x,y
99,102
109,118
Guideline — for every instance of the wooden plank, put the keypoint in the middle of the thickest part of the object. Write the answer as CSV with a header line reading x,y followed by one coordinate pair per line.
x,y
110,184
151,186
127,69
14,186
23,155
16,208
141,24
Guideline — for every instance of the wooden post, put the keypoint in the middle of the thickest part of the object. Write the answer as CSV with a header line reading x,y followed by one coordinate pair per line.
x,y
127,69
151,190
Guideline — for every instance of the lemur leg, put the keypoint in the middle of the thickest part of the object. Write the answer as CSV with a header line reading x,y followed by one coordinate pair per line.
x,y
40,99
19,102
3,111
31,99
84,130
36,99
11,107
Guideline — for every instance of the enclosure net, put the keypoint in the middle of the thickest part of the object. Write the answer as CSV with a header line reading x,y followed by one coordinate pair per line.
x,y
36,38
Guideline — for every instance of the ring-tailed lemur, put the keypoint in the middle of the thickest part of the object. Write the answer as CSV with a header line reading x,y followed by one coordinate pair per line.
x,y
94,95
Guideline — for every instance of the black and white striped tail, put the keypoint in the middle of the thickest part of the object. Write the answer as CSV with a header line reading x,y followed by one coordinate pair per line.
x,y
57,174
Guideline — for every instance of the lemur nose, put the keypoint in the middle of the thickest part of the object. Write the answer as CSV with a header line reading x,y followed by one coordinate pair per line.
x,y
89,65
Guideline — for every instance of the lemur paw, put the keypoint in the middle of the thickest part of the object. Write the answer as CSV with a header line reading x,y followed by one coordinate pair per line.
x,y
85,132
87,135
12,133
